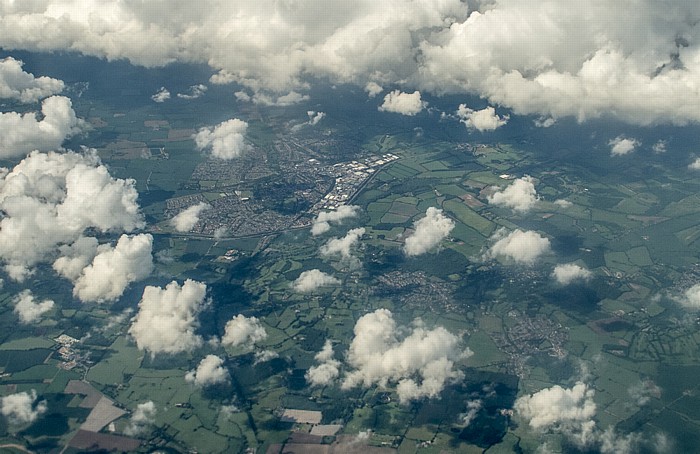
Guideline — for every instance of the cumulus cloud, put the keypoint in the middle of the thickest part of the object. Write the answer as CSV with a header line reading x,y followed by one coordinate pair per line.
x,y
488,49
482,120
264,356
50,200
567,273
315,117
421,361
644,391
622,145
328,368
691,297
167,318
310,280
343,246
226,140
114,268
28,309
523,247
23,133
519,196
185,220
267,99
161,95
403,103
563,203
22,86
22,408
210,371
243,331
429,232
323,221
194,92
695,165
143,416
373,89
545,122
660,146
557,406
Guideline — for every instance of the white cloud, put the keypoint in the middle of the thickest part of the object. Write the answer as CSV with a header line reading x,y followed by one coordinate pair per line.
x,y
373,89
545,122
520,246
243,331
582,62
23,133
315,117
660,146
429,232
567,273
695,165
323,221
644,391
519,196
482,120
167,318
194,92
264,356
22,86
691,297
328,368
114,268
210,371
50,200
226,140
28,309
267,99
563,203
557,406
343,246
185,220
22,408
421,361
143,416
622,145
473,407
403,103
161,95
310,280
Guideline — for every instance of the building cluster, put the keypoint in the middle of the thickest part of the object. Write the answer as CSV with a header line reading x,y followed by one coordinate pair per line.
x,y
70,357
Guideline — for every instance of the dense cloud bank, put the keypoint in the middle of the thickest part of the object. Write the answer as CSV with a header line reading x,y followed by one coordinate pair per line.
x,y
637,60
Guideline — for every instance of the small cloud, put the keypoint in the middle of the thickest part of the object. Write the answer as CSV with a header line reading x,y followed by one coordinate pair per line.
x,y
315,117
328,369
167,318
563,203
691,297
210,371
28,309
519,196
557,406
22,408
621,145
114,268
243,331
523,247
194,92
403,103
429,232
161,95
185,220
265,356
310,280
419,360
343,246
644,391
695,165
265,99
323,221
226,140
143,416
660,146
567,273
481,120
545,122
373,89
